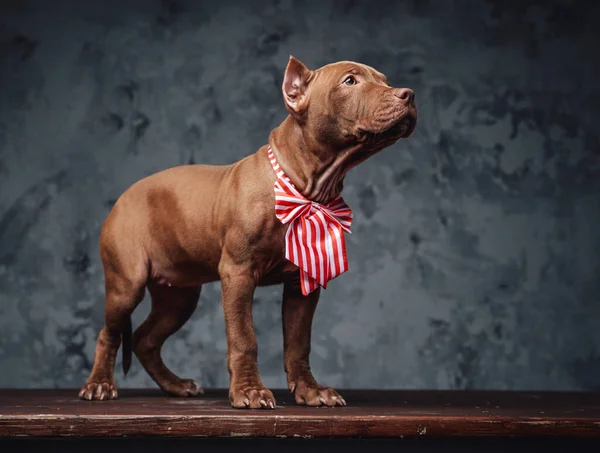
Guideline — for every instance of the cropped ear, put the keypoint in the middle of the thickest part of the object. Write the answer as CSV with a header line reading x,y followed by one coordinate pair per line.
x,y
295,83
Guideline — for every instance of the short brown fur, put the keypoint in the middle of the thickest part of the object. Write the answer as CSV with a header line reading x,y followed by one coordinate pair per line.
x,y
182,227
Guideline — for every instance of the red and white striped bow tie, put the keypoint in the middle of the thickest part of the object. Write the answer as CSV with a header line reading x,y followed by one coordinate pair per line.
x,y
315,238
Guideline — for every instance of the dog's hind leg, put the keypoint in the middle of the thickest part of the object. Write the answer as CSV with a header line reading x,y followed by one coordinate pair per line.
x,y
171,308
125,278
123,293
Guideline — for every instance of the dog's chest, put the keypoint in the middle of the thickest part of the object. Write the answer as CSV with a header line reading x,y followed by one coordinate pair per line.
x,y
275,264
282,271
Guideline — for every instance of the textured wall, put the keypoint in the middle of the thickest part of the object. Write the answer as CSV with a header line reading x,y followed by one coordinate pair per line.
x,y
475,253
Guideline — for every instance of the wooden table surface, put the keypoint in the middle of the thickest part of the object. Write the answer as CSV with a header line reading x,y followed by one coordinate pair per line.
x,y
379,414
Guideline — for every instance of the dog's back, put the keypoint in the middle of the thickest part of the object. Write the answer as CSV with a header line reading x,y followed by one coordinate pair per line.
x,y
163,217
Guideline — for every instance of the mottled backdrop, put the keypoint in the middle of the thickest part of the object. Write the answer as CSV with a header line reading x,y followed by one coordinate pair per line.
x,y
475,255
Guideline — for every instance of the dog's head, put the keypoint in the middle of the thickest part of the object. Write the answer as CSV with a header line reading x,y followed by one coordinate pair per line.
x,y
348,104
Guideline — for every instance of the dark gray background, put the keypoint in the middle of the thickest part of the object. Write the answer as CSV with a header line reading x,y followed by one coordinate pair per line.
x,y
475,253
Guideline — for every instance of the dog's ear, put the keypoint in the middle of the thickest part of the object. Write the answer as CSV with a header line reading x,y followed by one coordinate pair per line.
x,y
295,83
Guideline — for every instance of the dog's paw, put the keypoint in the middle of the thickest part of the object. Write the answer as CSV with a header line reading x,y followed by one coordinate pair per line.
x,y
317,396
252,397
98,391
183,387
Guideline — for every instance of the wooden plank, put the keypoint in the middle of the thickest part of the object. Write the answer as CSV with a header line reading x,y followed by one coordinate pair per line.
x,y
376,414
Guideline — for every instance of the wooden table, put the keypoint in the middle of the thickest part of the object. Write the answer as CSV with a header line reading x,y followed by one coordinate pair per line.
x,y
369,414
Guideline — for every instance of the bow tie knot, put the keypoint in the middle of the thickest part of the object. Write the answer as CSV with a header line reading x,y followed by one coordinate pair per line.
x,y
315,236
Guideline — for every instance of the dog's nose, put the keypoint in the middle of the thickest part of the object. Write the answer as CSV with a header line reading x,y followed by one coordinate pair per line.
x,y
405,94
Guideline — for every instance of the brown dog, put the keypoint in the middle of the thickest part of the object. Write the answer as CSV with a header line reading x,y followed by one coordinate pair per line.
x,y
185,226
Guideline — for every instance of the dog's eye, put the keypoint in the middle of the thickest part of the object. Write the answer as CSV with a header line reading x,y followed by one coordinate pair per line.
x,y
349,81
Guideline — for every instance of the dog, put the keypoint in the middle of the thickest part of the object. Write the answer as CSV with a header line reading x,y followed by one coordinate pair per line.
x,y
274,217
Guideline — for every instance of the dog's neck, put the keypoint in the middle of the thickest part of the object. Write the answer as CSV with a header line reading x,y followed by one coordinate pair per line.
x,y
315,168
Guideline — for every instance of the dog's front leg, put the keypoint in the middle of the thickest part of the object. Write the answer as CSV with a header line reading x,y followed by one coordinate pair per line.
x,y
298,311
246,389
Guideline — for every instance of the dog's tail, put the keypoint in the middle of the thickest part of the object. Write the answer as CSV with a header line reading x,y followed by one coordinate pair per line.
x,y
126,344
